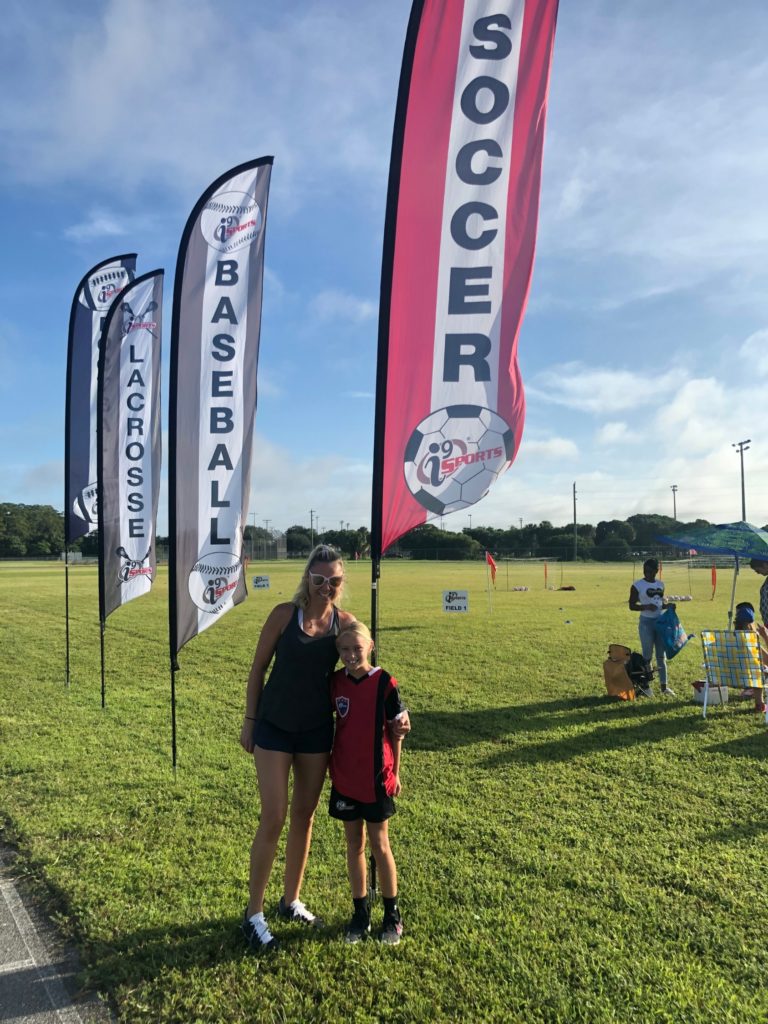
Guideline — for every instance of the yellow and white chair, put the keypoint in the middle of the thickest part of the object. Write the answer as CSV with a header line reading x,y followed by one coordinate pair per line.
x,y
732,658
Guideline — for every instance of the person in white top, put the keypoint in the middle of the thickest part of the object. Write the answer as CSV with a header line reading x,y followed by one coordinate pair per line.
x,y
646,596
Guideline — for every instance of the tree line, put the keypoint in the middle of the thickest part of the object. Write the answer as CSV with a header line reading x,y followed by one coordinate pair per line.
x,y
37,531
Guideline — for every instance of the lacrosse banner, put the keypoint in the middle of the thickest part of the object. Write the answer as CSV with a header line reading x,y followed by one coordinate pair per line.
x,y
92,299
129,444
214,356
459,242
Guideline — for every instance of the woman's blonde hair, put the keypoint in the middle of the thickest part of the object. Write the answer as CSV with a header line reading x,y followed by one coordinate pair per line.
x,y
355,629
322,554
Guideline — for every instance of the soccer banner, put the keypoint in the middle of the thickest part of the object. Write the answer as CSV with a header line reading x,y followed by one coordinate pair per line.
x,y
92,299
129,444
458,255
214,356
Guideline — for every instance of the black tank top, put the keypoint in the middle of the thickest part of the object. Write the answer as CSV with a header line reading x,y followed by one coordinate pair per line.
x,y
297,696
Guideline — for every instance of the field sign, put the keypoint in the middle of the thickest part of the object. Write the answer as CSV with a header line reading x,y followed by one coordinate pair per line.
x,y
261,582
455,600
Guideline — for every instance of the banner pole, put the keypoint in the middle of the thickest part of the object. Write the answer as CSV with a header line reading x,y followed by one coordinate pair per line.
x,y
173,716
375,574
66,606
733,593
102,628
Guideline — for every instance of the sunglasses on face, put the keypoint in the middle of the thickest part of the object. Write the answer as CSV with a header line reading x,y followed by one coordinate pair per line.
x,y
318,580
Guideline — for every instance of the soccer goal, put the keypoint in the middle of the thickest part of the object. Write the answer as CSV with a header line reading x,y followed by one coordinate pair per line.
x,y
528,573
691,578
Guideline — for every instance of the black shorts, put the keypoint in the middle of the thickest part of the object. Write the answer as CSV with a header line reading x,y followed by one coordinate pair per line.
x,y
305,741
346,809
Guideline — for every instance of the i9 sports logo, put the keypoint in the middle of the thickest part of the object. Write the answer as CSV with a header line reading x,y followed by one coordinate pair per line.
x,y
213,581
231,220
454,455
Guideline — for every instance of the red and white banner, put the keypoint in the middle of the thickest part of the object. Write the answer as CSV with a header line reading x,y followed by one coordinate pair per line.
x,y
458,255
214,358
129,444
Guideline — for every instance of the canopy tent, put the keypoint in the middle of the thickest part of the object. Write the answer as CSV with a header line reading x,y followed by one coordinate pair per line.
x,y
739,540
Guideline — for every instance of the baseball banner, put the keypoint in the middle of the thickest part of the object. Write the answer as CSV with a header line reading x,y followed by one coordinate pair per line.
x,y
92,299
459,243
129,444
214,356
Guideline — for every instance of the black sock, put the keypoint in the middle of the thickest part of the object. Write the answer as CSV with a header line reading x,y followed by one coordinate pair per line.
x,y
391,908
361,906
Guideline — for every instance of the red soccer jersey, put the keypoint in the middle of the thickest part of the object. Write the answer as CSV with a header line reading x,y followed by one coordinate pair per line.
x,y
362,755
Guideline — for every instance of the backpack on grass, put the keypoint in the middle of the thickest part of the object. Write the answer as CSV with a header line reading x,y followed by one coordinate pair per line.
x,y
639,670
624,671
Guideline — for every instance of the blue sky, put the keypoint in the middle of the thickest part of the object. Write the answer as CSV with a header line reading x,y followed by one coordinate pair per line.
x,y
643,348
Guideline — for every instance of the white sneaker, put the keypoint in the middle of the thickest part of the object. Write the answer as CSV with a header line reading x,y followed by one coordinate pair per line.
x,y
667,691
646,691
298,913
257,933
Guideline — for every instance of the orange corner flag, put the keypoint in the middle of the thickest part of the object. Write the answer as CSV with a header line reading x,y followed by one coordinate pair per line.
x,y
492,565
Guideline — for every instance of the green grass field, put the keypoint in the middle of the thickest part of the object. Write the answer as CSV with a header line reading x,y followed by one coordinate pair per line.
x,y
562,857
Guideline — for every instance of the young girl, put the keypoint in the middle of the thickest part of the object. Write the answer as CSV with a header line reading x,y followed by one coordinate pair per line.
x,y
365,774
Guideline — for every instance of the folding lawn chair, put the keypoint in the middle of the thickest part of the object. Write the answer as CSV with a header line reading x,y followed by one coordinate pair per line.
x,y
732,659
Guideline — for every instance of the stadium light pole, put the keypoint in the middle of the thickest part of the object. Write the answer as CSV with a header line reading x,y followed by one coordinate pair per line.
x,y
311,528
742,446
266,527
674,502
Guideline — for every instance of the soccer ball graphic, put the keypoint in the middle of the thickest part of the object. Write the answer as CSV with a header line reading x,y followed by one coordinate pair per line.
x,y
454,455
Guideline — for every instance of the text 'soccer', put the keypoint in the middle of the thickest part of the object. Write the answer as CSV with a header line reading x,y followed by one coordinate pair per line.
x,y
458,255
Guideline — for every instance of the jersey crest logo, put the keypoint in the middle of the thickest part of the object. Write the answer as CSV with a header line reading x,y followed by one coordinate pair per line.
x,y
342,706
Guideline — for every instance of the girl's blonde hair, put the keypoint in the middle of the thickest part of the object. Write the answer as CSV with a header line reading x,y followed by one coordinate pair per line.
x,y
322,554
355,629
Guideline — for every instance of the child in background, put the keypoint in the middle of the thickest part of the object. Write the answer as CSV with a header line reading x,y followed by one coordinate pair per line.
x,y
744,618
365,775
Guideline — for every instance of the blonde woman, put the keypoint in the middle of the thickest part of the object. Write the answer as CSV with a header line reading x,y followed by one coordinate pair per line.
x,y
288,726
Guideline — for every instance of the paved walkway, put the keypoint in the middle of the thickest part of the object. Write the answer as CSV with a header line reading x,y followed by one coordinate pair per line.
x,y
37,971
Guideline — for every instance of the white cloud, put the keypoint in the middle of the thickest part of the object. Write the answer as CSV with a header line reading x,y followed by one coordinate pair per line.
x,y
656,152
600,391
752,353
287,486
98,224
551,448
334,304
173,93
615,432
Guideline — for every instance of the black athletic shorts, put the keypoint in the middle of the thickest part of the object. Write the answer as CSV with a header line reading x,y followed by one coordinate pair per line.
x,y
306,741
346,809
